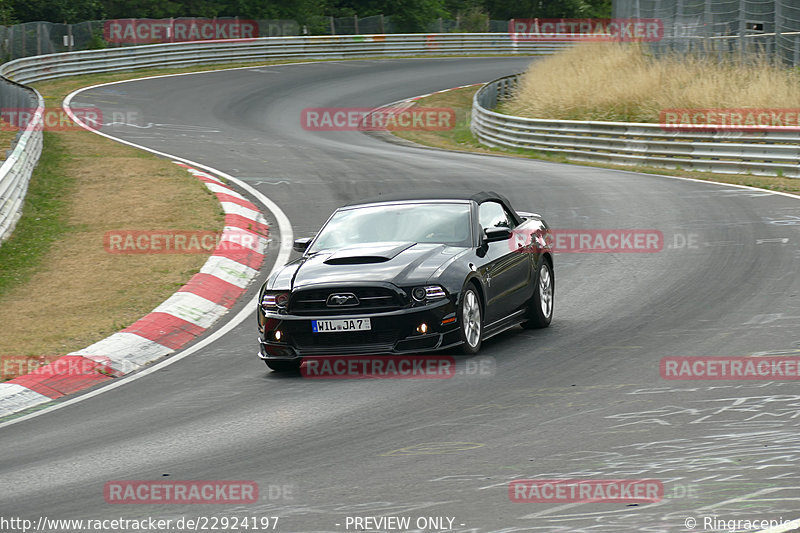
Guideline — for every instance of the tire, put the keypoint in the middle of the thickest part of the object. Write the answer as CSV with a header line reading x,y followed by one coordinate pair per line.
x,y
470,317
540,308
283,366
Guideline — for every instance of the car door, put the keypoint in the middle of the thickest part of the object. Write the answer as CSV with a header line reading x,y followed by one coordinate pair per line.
x,y
505,272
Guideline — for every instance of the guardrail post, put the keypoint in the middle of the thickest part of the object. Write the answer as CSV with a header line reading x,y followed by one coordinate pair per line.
x,y
355,23
779,23
742,22
333,27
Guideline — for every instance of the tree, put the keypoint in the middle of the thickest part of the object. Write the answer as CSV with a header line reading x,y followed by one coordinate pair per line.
x,y
69,11
407,15
505,9
7,17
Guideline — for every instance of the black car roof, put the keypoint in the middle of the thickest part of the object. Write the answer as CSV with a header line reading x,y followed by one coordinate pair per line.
x,y
444,195
478,197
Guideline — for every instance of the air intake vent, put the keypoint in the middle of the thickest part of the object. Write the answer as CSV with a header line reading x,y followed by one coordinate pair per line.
x,y
355,260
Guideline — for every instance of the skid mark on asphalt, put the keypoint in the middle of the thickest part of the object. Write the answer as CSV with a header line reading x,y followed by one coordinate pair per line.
x,y
738,459
163,126
264,180
434,448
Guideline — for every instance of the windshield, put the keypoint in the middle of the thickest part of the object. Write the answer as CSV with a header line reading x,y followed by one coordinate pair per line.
x,y
441,223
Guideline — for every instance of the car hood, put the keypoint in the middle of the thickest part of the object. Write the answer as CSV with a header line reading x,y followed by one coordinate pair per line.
x,y
401,263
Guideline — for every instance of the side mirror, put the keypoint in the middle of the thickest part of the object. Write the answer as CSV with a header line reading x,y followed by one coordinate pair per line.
x,y
496,234
301,245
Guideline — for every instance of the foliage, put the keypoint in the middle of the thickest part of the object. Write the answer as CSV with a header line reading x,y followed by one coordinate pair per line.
x,y
97,42
408,15
475,20
7,14
415,15
69,11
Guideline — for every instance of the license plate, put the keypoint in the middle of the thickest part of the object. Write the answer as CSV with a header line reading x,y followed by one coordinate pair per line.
x,y
336,326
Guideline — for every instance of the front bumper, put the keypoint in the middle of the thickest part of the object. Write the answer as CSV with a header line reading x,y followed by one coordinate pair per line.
x,y
392,332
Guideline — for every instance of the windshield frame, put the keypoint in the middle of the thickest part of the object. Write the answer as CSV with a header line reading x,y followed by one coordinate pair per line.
x,y
470,205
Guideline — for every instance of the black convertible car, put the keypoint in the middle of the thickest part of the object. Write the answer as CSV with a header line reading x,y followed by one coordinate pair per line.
x,y
405,275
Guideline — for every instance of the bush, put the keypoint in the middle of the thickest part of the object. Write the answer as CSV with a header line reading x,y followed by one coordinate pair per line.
x,y
474,21
96,42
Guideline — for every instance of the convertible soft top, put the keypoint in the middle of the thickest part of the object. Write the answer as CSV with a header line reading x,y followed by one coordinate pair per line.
x,y
478,197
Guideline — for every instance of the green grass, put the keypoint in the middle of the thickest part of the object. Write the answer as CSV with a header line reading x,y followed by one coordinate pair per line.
x,y
44,217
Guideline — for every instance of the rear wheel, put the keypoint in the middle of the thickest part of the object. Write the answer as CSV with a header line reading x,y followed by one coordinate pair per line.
x,y
283,366
540,308
471,321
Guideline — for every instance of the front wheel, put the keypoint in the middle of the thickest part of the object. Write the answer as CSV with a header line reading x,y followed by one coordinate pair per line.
x,y
540,308
283,366
471,321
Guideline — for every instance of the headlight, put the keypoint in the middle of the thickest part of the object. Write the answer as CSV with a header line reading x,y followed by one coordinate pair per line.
x,y
273,300
428,293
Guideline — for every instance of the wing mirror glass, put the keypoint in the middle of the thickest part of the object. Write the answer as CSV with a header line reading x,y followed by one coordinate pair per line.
x,y
496,234
301,245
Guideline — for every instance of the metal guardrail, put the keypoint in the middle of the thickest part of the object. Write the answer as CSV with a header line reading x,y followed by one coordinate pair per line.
x,y
16,170
38,68
15,173
766,153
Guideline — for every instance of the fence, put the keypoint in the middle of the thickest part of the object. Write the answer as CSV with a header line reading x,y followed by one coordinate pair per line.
x,y
767,153
718,27
38,38
387,24
723,27
16,171
29,70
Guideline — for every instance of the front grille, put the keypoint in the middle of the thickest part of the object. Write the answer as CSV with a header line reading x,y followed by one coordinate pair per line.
x,y
370,299
376,339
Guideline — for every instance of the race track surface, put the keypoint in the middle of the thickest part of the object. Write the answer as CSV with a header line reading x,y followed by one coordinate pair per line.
x,y
582,399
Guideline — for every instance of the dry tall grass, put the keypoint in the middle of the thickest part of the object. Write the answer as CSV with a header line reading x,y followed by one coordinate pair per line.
x,y
619,82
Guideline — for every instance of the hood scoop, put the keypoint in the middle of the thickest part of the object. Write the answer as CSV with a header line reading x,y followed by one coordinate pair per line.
x,y
374,252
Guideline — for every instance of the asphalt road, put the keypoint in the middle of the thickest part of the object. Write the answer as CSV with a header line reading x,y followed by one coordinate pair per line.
x,y
582,399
